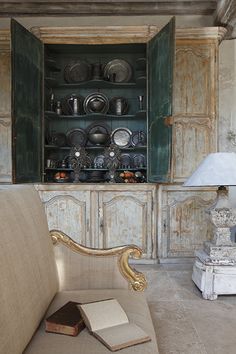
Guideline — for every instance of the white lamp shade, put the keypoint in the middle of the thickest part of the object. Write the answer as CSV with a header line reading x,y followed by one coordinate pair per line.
x,y
217,169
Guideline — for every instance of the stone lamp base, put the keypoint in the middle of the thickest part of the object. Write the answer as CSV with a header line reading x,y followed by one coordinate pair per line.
x,y
214,270
214,279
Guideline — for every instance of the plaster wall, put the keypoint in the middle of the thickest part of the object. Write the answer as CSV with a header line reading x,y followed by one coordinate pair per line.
x,y
227,101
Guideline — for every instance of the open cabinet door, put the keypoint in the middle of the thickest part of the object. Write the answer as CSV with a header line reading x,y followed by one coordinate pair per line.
x,y
27,105
161,52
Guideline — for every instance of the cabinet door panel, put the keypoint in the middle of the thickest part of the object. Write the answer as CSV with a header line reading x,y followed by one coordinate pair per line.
x,y
5,87
184,224
160,65
27,66
193,139
5,148
194,79
69,212
126,218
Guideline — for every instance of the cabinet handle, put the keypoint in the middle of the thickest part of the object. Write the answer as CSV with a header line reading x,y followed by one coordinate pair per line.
x,y
101,224
100,211
87,225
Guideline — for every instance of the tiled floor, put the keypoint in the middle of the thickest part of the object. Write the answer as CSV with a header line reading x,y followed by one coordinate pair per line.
x,y
185,323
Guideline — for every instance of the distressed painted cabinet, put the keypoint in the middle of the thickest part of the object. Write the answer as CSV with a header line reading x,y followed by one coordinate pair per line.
x,y
167,222
106,216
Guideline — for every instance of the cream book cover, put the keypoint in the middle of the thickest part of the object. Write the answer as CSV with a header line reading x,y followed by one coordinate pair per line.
x,y
109,323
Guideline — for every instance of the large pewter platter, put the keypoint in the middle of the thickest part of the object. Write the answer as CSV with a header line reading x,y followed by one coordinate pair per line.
x,y
121,137
118,70
78,71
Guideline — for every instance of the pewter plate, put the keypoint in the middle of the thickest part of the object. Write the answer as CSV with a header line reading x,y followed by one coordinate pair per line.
x,y
78,71
121,137
99,161
125,161
96,103
118,70
139,138
76,137
139,161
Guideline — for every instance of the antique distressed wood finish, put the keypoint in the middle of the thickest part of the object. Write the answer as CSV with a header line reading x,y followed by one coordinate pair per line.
x,y
5,107
195,105
70,213
27,78
160,88
126,217
182,221
105,8
104,215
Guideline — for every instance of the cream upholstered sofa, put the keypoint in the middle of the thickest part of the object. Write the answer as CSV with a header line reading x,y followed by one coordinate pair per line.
x,y
38,277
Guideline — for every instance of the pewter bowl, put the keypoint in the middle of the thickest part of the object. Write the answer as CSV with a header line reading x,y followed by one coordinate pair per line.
x,y
98,138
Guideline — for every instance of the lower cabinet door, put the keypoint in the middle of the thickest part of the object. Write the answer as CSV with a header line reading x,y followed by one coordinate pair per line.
x,y
69,211
127,218
183,222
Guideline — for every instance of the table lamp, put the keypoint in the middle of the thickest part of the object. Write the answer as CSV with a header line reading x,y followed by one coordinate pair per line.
x,y
217,260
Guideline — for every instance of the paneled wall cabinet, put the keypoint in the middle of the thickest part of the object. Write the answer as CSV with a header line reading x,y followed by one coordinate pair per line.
x,y
72,86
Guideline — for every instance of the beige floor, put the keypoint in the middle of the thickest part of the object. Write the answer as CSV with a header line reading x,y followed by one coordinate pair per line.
x,y
185,323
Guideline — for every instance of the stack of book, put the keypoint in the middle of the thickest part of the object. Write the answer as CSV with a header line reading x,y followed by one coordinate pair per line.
x,y
105,319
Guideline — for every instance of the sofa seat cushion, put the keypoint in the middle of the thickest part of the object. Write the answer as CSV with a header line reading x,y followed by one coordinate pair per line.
x,y
133,303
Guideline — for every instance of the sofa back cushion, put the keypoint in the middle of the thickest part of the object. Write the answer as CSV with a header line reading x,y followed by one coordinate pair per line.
x,y
28,280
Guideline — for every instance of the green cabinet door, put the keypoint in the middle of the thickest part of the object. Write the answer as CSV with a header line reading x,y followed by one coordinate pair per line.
x,y
161,51
27,76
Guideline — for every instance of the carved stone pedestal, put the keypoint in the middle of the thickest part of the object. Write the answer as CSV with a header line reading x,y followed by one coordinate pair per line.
x,y
215,276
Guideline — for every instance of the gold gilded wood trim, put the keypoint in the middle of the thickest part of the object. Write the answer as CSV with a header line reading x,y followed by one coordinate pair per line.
x,y
136,280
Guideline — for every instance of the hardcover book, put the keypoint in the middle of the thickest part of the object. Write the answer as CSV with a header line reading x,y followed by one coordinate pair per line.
x,y
108,322
66,320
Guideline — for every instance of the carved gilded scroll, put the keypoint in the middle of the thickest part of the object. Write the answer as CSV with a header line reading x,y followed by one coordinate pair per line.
x,y
135,279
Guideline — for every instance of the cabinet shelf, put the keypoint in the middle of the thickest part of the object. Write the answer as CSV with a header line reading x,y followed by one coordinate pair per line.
x,y
95,169
96,84
134,148
54,116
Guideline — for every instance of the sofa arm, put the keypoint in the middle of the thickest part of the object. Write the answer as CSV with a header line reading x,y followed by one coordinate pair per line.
x,y
119,256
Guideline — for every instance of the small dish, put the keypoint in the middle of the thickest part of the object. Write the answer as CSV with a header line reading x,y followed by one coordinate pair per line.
x,y
139,161
139,138
125,161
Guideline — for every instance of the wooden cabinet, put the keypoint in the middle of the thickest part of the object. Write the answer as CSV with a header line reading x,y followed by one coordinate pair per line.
x,y
36,140
194,120
176,142
106,216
